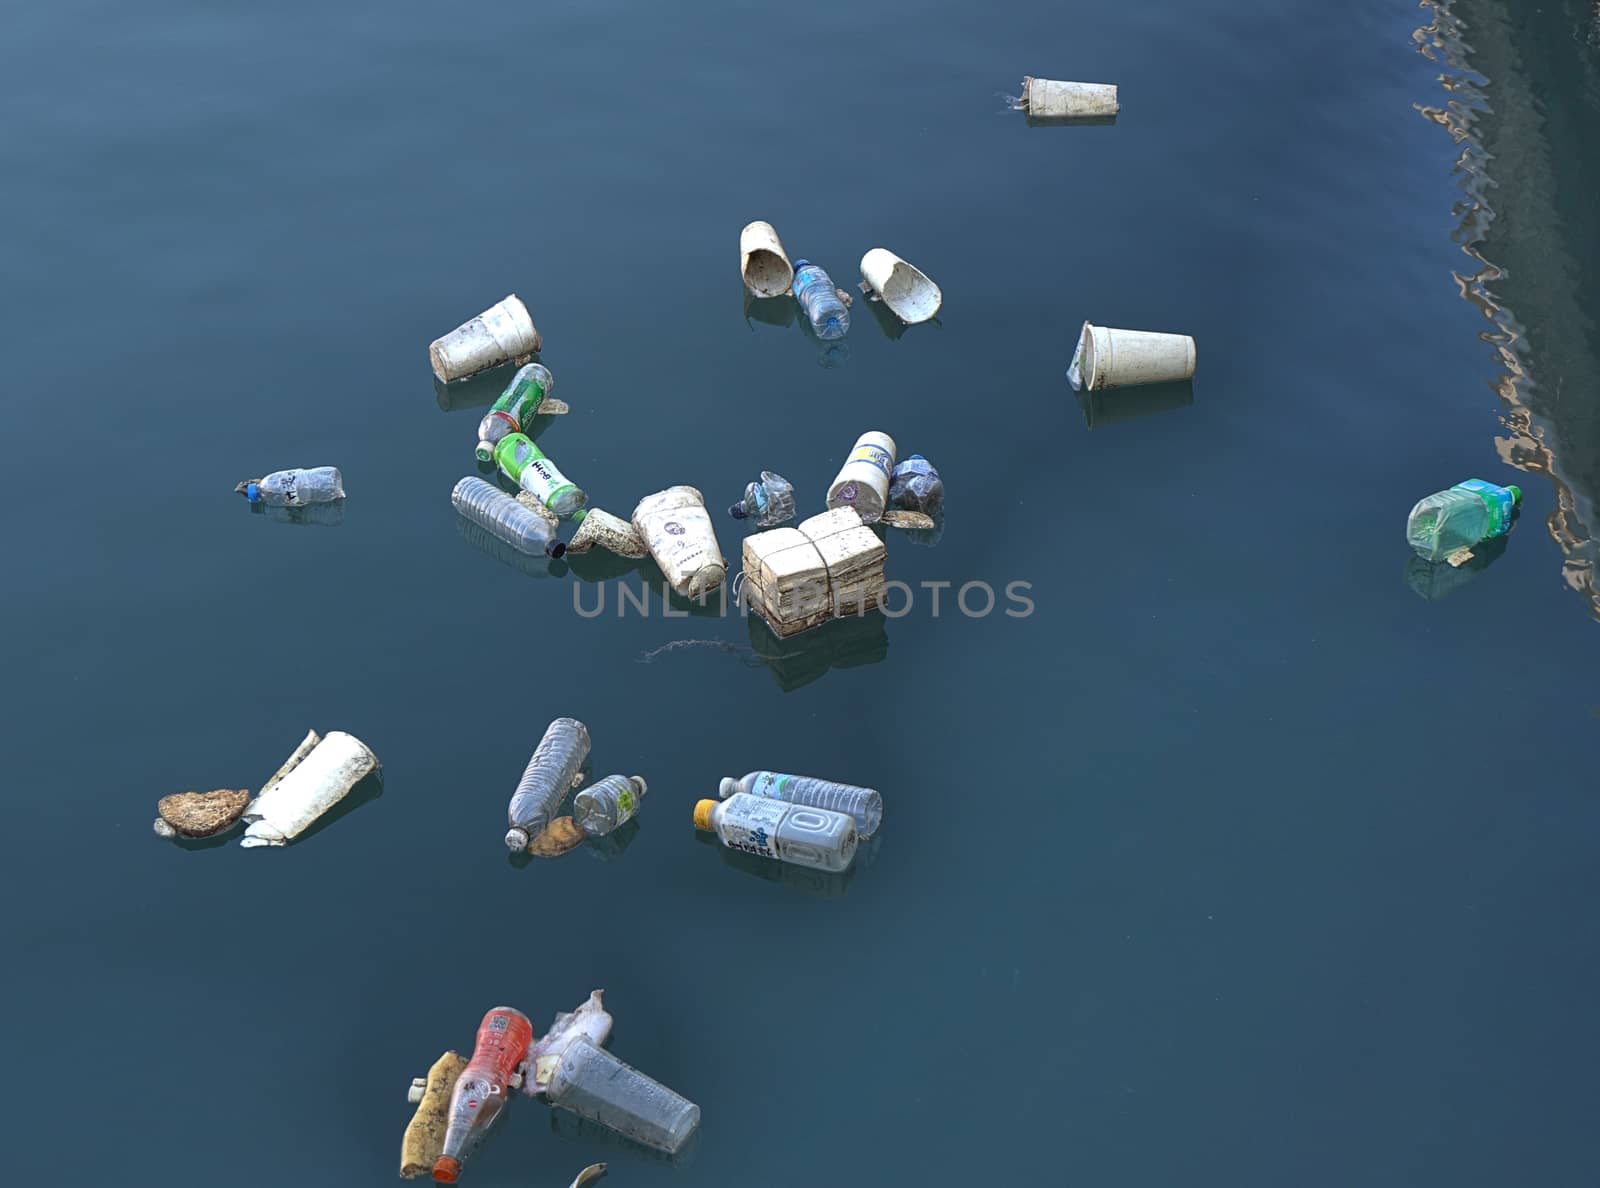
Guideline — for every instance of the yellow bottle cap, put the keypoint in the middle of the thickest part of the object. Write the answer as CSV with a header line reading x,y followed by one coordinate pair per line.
x,y
702,814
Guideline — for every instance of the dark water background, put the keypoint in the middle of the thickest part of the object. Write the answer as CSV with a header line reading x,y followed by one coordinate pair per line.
x,y
1235,863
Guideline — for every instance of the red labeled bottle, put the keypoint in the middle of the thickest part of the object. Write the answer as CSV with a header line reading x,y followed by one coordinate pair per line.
x,y
480,1094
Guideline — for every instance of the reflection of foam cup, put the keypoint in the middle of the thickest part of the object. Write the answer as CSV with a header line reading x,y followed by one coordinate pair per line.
x,y
594,1084
503,331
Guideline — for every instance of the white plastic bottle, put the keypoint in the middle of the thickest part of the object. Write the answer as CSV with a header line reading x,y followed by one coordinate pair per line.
x,y
791,833
291,488
863,805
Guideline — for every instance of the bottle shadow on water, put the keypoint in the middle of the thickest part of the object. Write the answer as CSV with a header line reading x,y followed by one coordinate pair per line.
x,y
486,542
1071,121
476,391
831,352
574,1128
769,311
1433,580
609,847
1106,407
821,884
366,790
321,515
852,641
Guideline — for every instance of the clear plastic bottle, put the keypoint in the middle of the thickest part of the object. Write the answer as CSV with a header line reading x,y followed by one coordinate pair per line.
x,y
606,804
793,833
594,1084
916,486
546,780
293,488
1461,517
863,805
525,464
480,1092
819,299
515,408
769,501
502,516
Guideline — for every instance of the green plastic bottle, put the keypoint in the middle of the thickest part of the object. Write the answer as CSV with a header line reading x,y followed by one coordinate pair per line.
x,y
525,464
1461,517
515,408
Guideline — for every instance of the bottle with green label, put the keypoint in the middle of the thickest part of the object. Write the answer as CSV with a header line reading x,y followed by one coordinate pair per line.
x,y
515,409
1461,517
607,804
526,465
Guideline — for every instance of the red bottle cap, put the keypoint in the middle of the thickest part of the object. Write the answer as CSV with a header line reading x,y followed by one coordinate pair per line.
x,y
446,1169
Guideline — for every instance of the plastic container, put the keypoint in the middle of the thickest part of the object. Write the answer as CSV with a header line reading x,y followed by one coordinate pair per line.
x,y
501,333
862,805
1108,358
295,488
316,782
819,299
792,833
769,501
916,486
608,803
515,408
762,261
863,481
1461,517
677,529
546,780
526,465
903,287
481,1090
1053,99
594,1084
504,518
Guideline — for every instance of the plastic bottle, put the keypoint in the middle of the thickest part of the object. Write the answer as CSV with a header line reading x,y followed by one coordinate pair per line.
x,y
502,516
769,501
546,780
480,1093
863,805
788,832
607,803
1461,517
915,485
594,1084
819,298
525,464
292,488
515,408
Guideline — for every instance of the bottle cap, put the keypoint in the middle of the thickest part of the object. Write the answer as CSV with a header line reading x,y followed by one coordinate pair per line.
x,y
484,451
639,785
702,814
516,838
554,549
252,492
1516,495
728,787
737,511
446,1169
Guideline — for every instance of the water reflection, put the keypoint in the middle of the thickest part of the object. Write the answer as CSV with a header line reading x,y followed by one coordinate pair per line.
x,y
1523,89
322,515
771,311
1071,121
1104,408
534,567
1433,580
611,846
832,353
848,642
823,884
569,1126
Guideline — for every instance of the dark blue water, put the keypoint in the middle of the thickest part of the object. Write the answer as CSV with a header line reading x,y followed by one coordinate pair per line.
x,y
1235,862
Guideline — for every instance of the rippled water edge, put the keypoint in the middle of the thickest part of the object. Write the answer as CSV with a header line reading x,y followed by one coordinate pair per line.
x,y
1507,165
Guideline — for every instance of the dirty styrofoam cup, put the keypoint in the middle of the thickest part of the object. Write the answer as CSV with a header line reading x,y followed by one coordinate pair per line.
x,y
903,287
762,261
1108,358
502,332
1053,99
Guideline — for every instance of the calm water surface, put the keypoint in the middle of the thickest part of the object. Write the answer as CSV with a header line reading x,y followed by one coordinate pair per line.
x,y
1235,863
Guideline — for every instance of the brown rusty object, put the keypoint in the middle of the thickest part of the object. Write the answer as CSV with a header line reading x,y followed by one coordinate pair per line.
x,y
202,814
561,836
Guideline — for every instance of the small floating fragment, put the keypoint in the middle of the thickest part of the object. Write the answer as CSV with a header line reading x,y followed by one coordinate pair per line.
x,y
559,837
200,814
615,535
593,1172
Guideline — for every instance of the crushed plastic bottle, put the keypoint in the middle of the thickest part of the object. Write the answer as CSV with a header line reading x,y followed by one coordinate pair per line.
x,y
526,465
295,488
819,299
863,805
607,803
515,408
546,780
793,833
504,518
480,1093
769,501
1466,514
916,486
594,1084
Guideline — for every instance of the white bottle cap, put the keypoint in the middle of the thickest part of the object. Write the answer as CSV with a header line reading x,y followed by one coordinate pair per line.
x,y
728,787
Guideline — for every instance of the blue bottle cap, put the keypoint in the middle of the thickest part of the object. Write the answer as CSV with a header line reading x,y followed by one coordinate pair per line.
x,y
252,492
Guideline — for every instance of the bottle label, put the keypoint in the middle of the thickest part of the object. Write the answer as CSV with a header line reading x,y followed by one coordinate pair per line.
x,y
770,785
872,455
625,803
524,402
1497,500
751,824
543,480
